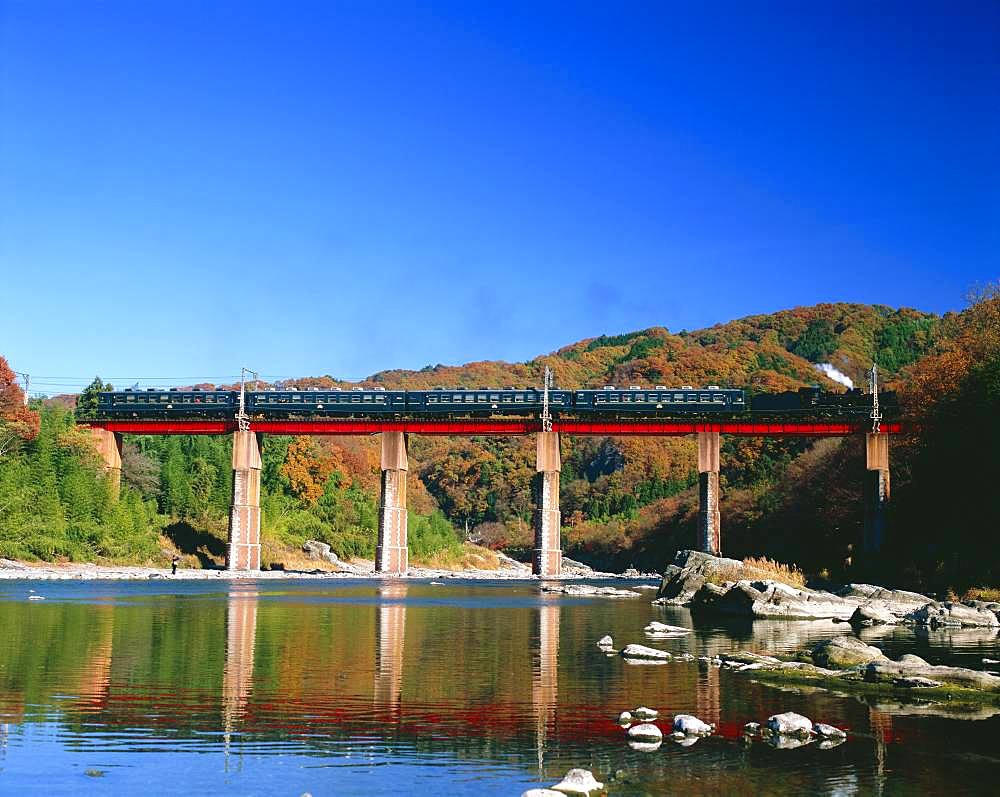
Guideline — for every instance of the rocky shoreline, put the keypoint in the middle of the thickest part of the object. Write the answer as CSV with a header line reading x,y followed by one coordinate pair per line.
x,y
843,663
510,570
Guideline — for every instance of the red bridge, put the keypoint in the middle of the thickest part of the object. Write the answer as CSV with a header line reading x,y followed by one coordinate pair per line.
x,y
392,555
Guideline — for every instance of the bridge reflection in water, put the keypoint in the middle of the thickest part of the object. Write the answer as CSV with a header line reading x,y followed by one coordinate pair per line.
x,y
237,676
390,630
545,674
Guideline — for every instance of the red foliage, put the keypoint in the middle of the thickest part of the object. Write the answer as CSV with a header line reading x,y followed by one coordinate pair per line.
x,y
13,411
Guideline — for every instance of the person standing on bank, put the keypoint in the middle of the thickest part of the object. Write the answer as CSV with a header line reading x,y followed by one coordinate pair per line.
x,y
173,565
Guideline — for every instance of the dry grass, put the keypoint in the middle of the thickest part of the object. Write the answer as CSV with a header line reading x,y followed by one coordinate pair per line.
x,y
761,569
989,594
464,557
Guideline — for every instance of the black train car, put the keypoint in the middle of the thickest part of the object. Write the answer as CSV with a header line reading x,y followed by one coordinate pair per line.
x,y
325,403
172,403
486,401
659,401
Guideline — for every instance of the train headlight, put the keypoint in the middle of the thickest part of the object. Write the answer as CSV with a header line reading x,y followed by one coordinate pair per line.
x,y
319,406
170,406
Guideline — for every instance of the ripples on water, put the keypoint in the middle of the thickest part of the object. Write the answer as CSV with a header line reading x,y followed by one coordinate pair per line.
x,y
404,687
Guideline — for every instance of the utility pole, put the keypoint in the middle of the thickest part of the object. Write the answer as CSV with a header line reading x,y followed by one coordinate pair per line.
x,y
546,413
242,419
876,413
27,381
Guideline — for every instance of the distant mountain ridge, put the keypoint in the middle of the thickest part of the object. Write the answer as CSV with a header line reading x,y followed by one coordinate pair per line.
x,y
765,352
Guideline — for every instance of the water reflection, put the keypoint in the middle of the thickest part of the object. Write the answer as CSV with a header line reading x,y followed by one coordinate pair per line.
x,y
390,631
241,636
545,674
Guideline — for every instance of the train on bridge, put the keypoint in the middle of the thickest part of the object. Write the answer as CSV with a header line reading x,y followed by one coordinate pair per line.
x,y
634,402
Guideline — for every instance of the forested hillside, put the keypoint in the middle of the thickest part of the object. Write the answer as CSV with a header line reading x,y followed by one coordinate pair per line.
x,y
625,501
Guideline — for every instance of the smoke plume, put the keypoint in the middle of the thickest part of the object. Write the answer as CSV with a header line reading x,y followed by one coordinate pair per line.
x,y
835,375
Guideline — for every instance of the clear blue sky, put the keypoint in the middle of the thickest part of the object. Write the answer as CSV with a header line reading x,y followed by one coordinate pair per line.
x,y
331,187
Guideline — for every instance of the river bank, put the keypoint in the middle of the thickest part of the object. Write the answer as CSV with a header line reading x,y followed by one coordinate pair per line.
x,y
356,569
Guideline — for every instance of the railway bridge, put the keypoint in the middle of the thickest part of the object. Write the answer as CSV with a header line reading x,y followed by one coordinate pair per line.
x,y
391,554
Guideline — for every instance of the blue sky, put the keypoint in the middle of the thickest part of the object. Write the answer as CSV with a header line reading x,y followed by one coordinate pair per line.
x,y
310,188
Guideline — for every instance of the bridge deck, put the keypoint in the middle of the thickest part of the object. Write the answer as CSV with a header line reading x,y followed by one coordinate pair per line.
x,y
499,427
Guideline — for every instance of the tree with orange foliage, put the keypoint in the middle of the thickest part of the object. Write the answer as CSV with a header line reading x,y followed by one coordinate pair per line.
x,y
17,422
307,468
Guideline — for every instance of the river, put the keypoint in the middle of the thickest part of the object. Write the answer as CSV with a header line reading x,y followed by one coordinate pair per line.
x,y
359,687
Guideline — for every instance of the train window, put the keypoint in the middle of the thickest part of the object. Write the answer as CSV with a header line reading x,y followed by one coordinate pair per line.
x,y
432,399
130,398
355,399
519,398
379,399
640,396
601,398
367,398
164,398
494,397
482,398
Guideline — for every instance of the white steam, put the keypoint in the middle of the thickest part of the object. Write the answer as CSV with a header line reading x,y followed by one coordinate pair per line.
x,y
835,375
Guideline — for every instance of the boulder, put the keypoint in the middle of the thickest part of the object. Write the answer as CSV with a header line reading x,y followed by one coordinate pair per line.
x,y
643,713
790,724
691,726
843,652
689,570
315,549
912,660
825,731
898,601
642,652
542,793
772,599
606,642
578,781
645,732
951,613
873,614
625,718
751,728
916,682
890,671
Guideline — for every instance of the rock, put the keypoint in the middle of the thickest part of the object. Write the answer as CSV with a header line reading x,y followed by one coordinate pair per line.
x,y
642,652
542,793
606,642
915,682
751,728
646,731
825,731
691,726
578,781
843,652
912,660
889,671
588,591
689,571
625,718
631,572
872,614
951,613
662,628
744,657
829,744
897,601
10,564
315,549
684,739
790,724
643,713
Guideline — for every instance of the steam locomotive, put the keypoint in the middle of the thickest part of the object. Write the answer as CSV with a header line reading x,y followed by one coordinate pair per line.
x,y
609,402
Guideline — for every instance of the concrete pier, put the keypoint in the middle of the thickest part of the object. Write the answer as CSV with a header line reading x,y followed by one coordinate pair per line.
x,y
547,558
109,448
876,490
244,517
709,525
391,554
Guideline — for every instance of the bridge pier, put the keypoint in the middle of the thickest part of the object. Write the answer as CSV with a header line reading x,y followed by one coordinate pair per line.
x,y
109,447
391,554
243,552
709,525
876,491
547,558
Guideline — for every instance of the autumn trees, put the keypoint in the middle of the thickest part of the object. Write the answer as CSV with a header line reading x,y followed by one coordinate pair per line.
x,y
18,423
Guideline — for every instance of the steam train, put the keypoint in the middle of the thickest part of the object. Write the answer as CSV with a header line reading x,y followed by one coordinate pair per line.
x,y
609,402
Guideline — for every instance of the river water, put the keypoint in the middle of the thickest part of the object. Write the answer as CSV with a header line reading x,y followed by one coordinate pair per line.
x,y
356,687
